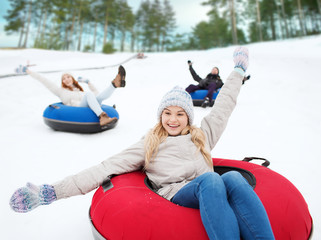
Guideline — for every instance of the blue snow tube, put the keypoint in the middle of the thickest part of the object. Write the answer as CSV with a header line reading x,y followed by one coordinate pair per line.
x,y
65,118
199,95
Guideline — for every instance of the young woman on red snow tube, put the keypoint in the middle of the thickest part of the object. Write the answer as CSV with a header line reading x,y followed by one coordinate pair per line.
x,y
126,207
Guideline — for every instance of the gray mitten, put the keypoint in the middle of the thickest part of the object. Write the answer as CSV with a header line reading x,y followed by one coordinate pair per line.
x,y
83,80
241,58
21,69
31,196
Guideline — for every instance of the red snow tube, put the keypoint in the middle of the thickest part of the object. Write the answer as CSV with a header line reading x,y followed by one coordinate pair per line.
x,y
126,207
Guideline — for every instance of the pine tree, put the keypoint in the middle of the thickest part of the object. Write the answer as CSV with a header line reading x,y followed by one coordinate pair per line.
x,y
169,24
16,19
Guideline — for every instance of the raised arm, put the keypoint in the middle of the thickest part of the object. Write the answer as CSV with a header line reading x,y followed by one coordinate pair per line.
x,y
215,122
91,86
52,87
193,73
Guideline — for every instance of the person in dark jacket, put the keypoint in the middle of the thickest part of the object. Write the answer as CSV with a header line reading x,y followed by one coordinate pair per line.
x,y
212,82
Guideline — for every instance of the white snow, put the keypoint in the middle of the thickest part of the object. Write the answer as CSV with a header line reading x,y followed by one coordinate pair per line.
x,y
277,117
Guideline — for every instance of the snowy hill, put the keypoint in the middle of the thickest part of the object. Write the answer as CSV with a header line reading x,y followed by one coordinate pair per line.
x,y
277,117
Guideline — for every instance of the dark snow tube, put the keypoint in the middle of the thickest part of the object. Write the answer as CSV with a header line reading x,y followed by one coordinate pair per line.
x,y
65,118
126,208
199,95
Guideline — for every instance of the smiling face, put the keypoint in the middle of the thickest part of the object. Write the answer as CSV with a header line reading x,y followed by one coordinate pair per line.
x,y
174,120
67,80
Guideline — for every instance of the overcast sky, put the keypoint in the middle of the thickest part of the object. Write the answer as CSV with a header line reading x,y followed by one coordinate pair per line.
x,y
187,13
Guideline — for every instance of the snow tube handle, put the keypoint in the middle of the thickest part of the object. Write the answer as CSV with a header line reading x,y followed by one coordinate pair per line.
x,y
265,163
107,184
54,106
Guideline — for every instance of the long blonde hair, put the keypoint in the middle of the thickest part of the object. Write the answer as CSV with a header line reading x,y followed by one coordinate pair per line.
x,y
158,134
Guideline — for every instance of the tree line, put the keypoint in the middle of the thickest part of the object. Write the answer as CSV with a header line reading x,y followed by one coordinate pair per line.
x,y
85,25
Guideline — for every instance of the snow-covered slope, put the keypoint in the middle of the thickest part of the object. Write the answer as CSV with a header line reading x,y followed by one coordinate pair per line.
x,y
277,117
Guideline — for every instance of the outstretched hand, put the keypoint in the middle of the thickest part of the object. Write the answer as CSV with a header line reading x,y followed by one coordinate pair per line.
x,y
241,58
83,80
21,69
31,196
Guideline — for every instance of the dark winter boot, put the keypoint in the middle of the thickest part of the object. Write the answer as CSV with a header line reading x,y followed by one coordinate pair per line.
x,y
104,119
206,103
119,80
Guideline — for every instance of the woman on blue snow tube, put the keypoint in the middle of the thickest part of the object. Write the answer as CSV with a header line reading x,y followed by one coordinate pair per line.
x,y
212,82
175,156
72,94
207,89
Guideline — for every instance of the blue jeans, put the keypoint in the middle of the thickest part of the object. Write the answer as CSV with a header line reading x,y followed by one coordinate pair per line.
x,y
94,102
228,205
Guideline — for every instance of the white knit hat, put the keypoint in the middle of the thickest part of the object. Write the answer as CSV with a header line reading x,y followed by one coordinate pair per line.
x,y
177,97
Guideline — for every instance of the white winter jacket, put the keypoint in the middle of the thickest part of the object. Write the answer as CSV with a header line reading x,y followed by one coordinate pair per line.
x,y
177,163
67,97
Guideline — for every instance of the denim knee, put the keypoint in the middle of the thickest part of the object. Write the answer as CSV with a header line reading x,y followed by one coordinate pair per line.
x,y
211,181
233,179
209,176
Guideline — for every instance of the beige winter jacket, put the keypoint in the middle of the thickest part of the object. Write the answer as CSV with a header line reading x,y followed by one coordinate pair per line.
x,y
67,97
177,163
